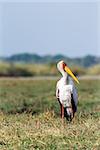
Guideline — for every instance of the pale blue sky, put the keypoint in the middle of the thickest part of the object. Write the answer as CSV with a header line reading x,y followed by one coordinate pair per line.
x,y
71,28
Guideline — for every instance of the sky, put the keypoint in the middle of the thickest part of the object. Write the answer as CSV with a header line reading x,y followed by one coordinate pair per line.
x,y
68,28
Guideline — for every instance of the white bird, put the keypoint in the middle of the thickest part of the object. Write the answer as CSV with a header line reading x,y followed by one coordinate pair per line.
x,y
66,92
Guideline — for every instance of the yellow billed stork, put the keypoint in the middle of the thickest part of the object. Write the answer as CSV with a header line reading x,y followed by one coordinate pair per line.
x,y
66,92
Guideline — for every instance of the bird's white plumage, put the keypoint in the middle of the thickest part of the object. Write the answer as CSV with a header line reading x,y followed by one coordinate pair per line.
x,y
65,87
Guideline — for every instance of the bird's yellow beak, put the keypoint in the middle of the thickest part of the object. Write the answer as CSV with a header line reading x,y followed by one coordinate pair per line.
x,y
71,74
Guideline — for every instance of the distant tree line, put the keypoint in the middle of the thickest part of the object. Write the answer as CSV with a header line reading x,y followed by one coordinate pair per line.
x,y
86,61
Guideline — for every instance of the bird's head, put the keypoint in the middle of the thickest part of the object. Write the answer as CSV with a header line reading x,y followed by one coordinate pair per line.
x,y
63,67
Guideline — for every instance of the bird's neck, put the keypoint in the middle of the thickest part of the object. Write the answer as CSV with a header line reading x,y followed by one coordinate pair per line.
x,y
64,74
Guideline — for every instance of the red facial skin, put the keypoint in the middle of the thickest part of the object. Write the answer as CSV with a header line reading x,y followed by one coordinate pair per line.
x,y
64,66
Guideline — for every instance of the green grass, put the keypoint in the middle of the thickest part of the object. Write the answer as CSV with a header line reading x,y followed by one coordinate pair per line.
x,y
29,117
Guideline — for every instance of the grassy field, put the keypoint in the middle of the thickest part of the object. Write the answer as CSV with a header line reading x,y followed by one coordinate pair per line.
x,y
29,117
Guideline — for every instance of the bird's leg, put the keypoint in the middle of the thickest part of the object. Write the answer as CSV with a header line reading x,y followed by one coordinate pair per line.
x,y
62,115
62,111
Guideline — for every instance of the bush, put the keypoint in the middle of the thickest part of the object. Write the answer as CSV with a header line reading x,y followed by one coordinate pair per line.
x,y
19,72
13,70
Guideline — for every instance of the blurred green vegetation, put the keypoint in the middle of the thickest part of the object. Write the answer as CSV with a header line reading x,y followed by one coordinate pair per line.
x,y
95,70
23,69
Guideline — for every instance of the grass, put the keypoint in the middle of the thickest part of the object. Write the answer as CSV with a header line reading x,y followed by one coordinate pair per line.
x,y
29,117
